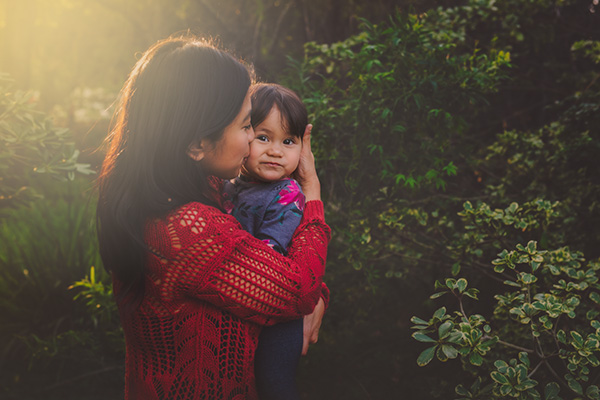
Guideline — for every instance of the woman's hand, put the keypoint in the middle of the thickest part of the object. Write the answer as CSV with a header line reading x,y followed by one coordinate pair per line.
x,y
312,325
306,173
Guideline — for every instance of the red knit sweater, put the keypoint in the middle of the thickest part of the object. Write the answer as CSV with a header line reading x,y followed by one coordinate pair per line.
x,y
209,288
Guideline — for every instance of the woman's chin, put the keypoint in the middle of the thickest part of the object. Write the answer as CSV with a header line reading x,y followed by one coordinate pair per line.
x,y
230,175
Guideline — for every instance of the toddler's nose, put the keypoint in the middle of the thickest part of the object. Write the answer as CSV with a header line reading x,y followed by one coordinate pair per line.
x,y
275,151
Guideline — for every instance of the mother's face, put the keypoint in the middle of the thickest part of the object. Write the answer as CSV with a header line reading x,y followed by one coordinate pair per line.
x,y
224,158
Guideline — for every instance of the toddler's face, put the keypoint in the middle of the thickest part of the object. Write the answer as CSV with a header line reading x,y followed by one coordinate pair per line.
x,y
274,153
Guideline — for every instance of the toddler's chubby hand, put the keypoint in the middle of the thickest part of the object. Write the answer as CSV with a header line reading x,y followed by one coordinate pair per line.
x,y
306,173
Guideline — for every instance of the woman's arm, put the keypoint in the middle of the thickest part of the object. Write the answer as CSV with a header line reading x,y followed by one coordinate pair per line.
x,y
220,263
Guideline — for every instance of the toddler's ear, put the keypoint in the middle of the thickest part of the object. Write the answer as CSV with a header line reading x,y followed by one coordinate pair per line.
x,y
196,151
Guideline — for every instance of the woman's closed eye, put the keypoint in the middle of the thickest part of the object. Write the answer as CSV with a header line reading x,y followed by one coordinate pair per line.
x,y
247,127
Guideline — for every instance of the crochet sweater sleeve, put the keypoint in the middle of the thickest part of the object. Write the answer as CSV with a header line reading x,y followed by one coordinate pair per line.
x,y
211,258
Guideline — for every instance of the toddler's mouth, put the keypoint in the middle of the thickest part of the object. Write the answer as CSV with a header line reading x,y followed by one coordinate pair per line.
x,y
272,164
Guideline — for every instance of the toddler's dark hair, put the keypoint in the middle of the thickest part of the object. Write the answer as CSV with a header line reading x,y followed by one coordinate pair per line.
x,y
294,116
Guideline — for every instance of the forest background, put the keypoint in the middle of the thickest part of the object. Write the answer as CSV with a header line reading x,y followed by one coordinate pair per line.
x,y
457,143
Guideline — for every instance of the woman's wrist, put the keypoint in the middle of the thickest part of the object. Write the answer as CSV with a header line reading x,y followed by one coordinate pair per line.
x,y
312,190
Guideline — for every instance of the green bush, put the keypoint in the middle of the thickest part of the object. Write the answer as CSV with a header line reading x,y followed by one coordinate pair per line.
x,y
395,111
47,338
414,117
392,108
542,334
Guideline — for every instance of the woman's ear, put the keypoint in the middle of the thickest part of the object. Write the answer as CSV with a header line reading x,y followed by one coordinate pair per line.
x,y
196,151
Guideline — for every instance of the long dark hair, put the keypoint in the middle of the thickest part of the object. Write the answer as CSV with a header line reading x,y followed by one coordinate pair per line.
x,y
294,116
181,90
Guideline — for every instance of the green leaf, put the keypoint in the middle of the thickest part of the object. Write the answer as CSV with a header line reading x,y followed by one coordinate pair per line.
x,y
475,359
501,365
528,384
461,391
449,351
551,390
438,294
461,284
512,283
422,337
577,338
426,356
444,328
524,358
575,386
593,392
498,377
455,269
472,293
450,169
528,279
440,312
505,389
419,321
441,355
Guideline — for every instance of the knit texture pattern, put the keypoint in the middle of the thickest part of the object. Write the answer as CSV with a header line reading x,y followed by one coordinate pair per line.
x,y
210,286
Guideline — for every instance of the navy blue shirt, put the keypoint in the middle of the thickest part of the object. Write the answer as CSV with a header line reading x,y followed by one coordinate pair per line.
x,y
269,211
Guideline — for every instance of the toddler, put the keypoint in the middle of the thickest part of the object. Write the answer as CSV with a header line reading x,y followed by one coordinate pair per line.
x,y
269,205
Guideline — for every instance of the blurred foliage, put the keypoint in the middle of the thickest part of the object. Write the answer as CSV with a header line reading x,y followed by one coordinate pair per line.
x,y
47,338
29,144
57,46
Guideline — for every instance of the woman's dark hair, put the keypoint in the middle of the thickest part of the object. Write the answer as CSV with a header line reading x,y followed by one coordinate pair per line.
x,y
294,116
181,90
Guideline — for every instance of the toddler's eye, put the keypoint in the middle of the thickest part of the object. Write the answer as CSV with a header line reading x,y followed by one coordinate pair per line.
x,y
261,138
289,141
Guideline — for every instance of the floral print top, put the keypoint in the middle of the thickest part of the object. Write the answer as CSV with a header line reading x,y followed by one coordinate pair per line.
x,y
271,211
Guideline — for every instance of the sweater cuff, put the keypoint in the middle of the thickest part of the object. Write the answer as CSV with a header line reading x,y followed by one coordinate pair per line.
x,y
313,210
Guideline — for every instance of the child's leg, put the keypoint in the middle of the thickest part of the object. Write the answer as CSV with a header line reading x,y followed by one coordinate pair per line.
x,y
277,356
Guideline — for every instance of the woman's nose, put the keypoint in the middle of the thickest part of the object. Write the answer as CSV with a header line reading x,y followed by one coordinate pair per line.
x,y
250,134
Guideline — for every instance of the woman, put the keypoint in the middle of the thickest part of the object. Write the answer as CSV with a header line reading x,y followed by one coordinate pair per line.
x,y
193,288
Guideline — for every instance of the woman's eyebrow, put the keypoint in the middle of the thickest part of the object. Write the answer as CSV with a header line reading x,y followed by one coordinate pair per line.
x,y
248,116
